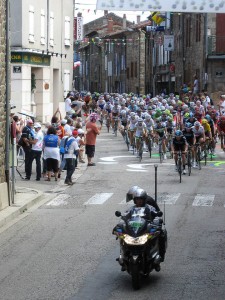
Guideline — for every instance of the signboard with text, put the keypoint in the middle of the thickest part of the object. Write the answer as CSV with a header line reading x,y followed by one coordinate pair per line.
x,y
168,42
30,58
198,6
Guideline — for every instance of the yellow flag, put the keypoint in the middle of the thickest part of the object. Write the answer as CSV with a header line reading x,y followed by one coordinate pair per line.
x,y
156,17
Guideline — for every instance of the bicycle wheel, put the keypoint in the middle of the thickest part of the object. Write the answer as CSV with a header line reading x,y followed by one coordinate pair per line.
x,y
20,157
205,156
141,151
199,158
127,140
189,164
179,166
115,128
160,154
150,147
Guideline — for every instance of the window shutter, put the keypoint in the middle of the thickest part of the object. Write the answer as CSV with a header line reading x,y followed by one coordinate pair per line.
x,y
67,31
51,29
31,24
42,27
66,82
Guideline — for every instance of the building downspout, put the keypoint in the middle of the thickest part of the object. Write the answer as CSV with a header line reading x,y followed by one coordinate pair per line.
x,y
7,100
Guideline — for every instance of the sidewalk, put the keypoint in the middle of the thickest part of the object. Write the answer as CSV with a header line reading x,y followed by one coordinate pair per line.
x,y
32,192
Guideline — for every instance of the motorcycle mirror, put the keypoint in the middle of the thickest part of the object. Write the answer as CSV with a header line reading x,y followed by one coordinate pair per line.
x,y
118,213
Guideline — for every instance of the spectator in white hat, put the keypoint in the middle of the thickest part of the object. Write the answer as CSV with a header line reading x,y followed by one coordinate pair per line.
x,y
36,151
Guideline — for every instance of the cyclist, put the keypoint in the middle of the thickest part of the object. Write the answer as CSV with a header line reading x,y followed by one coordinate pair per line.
x,y
140,131
115,113
213,130
179,143
123,120
149,128
199,133
207,129
189,135
132,107
160,132
221,129
132,120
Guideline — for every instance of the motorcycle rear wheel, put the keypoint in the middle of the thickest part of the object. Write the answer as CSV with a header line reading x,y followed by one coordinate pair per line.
x,y
135,275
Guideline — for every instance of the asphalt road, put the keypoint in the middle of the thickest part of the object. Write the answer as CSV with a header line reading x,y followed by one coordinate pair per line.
x,y
65,249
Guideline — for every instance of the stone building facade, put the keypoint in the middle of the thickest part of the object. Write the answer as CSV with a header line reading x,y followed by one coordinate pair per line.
x,y
3,185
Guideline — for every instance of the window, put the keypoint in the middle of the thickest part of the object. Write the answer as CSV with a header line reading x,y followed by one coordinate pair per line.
x,y
31,24
51,29
132,70
198,28
66,82
188,32
135,70
128,73
67,32
42,27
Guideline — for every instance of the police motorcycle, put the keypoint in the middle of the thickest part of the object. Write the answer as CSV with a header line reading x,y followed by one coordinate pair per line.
x,y
143,241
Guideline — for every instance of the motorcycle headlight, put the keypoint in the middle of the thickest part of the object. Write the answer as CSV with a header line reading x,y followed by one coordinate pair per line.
x,y
141,240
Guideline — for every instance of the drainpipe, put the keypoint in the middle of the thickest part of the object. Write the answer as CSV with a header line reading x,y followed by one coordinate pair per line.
x,y
7,100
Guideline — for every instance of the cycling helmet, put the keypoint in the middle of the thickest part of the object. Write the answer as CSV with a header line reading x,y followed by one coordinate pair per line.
x,y
162,108
80,131
208,118
186,115
116,101
188,125
132,114
140,120
132,101
147,117
204,121
191,115
197,123
158,120
178,133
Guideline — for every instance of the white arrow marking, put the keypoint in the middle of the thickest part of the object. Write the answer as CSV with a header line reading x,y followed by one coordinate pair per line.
x,y
99,198
137,170
112,158
203,200
59,200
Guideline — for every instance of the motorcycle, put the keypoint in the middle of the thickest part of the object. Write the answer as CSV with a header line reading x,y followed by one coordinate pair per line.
x,y
140,243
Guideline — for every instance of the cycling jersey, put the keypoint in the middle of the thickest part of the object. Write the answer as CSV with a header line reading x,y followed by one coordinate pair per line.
x,y
189,135
198,132
160,130
140,129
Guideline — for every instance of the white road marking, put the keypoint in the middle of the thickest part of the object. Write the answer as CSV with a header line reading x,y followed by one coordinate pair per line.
x,y
203,200
59,200
137,170
170,199
108,162
113,158
99,198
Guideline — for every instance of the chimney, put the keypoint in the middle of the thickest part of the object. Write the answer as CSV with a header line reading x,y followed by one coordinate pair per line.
x,y
110,25
124,21
138,19
106,12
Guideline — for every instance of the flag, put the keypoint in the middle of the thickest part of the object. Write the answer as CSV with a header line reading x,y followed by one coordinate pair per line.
x,y
76,64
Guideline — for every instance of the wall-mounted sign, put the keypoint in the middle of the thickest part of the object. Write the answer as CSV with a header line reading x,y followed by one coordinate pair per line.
x,y
168,42
200,6
79,28
30,58
17,69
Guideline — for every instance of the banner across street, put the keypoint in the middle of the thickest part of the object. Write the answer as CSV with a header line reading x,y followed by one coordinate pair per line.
x,y
198,6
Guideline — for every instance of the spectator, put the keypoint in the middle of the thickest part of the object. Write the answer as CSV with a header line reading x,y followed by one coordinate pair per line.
x,y
61,129
81,143
51,152
68,101
27,137
71,150
69,127
19,127
195,85
36,150
91,135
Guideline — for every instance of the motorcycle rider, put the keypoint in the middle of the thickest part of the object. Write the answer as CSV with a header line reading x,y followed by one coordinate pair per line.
x,y
141,199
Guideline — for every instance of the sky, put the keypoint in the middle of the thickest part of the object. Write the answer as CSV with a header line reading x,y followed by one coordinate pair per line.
x,y
89,13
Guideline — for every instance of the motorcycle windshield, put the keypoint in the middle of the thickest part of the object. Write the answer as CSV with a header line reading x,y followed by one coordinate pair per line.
x,y
136,223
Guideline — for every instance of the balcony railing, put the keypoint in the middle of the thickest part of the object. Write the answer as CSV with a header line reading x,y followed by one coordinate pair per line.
x,y
216,45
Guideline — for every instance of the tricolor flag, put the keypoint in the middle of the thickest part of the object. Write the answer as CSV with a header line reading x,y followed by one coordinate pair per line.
x,y
76,64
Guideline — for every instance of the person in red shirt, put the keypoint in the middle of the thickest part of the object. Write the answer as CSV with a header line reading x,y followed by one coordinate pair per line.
x,y
92,130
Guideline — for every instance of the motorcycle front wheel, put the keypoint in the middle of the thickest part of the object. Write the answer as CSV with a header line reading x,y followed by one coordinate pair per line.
x,y
135,275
